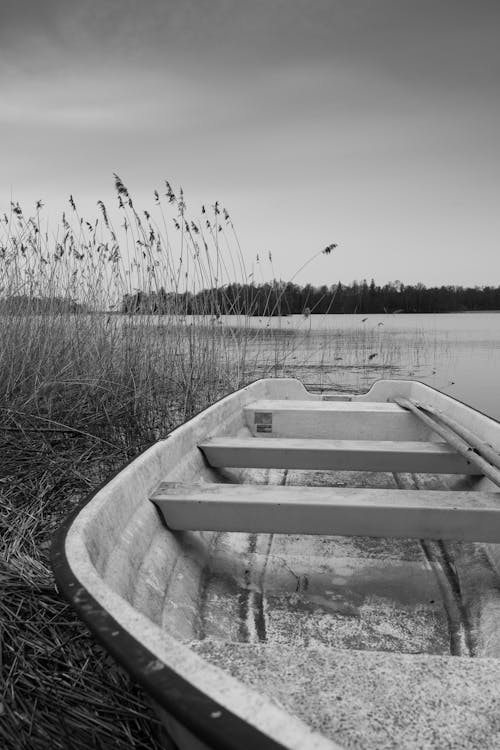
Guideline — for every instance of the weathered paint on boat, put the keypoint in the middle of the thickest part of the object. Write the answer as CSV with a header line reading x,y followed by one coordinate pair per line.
x,y
266,640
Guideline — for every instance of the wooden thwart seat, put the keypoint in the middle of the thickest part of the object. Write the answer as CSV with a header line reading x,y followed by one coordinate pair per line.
x,y
341,455
432,514
337,420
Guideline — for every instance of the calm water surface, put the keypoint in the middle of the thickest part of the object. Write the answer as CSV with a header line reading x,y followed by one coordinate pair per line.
x,y
458,353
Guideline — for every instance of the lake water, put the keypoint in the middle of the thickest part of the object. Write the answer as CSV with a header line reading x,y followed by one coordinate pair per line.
x,y
458,353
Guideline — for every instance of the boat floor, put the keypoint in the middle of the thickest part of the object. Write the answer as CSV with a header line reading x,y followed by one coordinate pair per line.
x,y
368,640
371,699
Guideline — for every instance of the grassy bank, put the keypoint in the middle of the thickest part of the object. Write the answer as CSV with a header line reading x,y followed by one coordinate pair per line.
x,y
80,396
83,390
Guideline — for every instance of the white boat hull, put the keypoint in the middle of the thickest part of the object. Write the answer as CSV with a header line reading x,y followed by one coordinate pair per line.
x,y
246,636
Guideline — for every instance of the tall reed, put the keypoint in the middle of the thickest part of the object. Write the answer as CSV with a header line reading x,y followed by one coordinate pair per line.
x,y
83,388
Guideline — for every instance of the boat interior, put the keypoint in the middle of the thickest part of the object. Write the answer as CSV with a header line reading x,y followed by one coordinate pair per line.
x,y
332,560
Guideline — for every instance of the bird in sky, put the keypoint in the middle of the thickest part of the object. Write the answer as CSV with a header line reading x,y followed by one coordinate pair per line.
x,y
372,356
364,320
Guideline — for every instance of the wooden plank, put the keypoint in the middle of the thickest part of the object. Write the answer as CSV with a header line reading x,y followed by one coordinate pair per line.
x,y
337,420
341,455
432,514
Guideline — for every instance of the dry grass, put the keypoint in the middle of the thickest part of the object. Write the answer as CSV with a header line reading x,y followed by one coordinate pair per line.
x,y
81,392
58,689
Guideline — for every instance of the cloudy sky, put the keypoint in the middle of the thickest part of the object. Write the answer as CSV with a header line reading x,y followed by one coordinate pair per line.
x,y
371,123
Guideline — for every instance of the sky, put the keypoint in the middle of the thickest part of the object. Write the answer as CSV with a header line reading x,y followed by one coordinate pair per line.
x,y
372,124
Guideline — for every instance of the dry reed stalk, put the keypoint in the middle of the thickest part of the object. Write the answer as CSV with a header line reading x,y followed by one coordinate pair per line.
x,y
83,390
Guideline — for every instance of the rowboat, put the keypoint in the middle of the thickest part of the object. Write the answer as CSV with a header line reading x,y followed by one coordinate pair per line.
x,y
289,570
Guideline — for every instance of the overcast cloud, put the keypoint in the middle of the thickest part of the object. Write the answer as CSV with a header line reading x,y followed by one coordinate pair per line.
x,y
374,124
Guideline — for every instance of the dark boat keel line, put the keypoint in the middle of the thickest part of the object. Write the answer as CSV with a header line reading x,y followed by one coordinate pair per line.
x,y
438,557
255,599
460,635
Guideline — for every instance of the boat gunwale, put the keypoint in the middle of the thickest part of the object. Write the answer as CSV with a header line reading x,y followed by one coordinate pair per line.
x,y
431,388
189,705
174,693
194,709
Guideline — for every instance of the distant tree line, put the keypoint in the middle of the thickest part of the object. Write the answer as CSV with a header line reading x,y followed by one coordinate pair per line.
x,y
25,303
285,298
